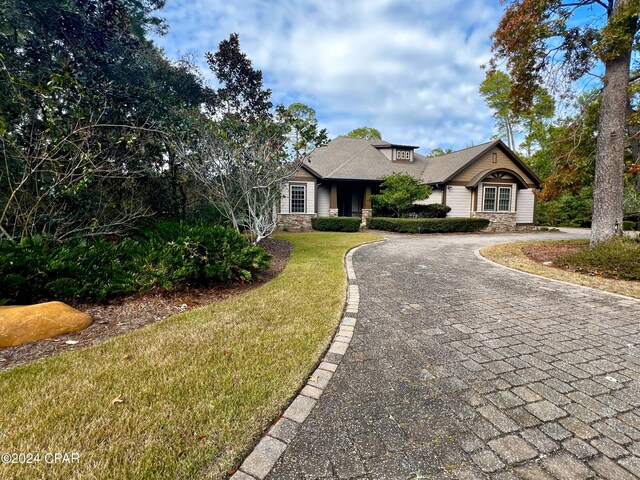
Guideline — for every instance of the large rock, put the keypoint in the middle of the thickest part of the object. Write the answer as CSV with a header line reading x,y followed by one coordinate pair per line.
x,y
24,324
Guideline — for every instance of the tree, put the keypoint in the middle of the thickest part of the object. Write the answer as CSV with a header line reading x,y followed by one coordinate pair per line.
x,y
241,92
242,175
367,133
399,191
532,122
436,152
495,89
243,157
304,135
87,108
538,38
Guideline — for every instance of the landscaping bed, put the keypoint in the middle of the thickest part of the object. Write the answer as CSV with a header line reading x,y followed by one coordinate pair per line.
x,y
129,313
571,261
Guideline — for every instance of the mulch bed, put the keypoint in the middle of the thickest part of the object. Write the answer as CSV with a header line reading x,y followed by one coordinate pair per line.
x,y
122,315
548,254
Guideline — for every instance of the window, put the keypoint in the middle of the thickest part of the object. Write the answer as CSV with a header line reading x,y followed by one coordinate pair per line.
x,y
403,155
298,198
504,199
489,199
499,195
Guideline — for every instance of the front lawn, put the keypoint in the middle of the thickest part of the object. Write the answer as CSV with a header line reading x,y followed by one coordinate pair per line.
x,y
583,266
186,397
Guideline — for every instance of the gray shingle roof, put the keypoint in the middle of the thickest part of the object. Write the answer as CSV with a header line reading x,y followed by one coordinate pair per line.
x,y
442,168
345,158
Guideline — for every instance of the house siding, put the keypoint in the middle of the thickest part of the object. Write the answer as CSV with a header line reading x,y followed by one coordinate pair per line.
x,y
324,194
525,206
435,197
310,204
459,199
485,162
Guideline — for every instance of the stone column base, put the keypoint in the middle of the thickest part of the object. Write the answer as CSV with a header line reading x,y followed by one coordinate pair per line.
x,y
498,222
366,213
333,212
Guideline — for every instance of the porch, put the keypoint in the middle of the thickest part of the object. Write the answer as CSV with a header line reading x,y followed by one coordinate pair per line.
x,y
351,199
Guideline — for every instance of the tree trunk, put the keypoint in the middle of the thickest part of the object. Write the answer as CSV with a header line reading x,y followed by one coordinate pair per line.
x,y
609,179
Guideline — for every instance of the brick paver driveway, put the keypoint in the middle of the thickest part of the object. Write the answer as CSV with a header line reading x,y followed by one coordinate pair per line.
x,y
462,369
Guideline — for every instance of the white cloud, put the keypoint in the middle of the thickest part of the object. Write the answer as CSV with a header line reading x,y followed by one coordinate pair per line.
x,y
410,69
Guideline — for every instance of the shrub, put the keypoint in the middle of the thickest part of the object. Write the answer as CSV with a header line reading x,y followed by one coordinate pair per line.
x,y
434,210
41,269
428,225
617,257
628,225
336,224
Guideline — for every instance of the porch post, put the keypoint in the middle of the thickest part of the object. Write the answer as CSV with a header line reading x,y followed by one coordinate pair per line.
x,y
333,201
366,205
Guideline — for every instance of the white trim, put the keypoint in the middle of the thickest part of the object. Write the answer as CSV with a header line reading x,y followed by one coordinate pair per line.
x,y
496,198
304,197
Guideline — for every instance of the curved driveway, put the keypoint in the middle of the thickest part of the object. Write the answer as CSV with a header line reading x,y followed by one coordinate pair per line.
x,y
462,369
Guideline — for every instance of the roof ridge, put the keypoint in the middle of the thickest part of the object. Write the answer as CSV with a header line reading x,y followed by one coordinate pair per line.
x,y
466,148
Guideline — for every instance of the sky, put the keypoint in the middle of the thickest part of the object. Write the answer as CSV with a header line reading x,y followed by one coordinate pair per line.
x,y
410,68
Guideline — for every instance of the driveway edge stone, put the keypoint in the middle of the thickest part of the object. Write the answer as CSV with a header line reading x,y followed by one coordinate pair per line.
x,y
273,444
584,287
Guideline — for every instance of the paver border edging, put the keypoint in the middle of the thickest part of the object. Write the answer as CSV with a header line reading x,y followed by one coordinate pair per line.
x,y
584,287
273,444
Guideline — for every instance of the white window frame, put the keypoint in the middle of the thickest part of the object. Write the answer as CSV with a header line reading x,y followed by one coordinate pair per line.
x,y
403,155
304,197
496,199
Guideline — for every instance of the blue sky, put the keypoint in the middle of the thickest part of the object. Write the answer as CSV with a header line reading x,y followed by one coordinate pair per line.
x,y
408,68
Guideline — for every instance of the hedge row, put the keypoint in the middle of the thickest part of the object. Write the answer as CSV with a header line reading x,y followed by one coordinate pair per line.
x,y
629,225
336,224
427,225
433,210
41,269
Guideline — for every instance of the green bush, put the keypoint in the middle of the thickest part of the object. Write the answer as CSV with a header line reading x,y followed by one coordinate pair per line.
x,y
618,258
628,225
336,224
433,210
41,269
427,225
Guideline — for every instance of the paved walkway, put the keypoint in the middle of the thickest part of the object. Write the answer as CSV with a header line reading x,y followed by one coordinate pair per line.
x,y
462,369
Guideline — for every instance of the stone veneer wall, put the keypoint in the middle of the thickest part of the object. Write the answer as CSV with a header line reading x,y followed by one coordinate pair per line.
x,y
366,213
498,221
295,221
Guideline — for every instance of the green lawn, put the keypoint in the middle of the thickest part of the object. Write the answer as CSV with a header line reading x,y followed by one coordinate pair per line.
x,y
198,388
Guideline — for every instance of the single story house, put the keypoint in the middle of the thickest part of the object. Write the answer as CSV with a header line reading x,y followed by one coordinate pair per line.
x,y
338,179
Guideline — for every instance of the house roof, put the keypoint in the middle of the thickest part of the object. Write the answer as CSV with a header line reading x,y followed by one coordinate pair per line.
x,y
443,168
345,158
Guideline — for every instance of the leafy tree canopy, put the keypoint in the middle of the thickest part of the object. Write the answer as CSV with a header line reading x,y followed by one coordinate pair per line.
x,y
436,152
367,133
399,191
241,92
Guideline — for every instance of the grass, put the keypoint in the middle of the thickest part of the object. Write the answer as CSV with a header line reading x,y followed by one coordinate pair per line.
x,y
198,388
510,255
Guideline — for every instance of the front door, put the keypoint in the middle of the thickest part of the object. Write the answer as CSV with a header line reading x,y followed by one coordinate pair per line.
x,y
345,201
